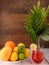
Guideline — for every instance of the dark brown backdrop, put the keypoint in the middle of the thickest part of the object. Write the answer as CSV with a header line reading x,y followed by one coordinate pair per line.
x,y
12,18
19,6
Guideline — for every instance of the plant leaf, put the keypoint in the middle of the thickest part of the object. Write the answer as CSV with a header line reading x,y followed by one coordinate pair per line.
x,y
35,24
45,35
32,33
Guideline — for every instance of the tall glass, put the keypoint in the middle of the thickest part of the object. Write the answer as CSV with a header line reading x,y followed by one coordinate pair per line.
x,y
37,55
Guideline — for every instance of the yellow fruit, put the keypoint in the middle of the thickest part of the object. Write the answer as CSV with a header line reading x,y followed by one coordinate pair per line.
x,y
14,56
15,49
33,46
5,53
27,52
21,44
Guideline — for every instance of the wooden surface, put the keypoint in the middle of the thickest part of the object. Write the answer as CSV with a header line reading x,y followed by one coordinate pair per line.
x,y
12,28
12,18
19,6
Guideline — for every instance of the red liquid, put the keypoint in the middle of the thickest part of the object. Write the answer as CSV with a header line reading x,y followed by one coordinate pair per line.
x,y
37,56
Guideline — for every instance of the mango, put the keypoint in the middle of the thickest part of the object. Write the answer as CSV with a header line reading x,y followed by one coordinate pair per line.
x,y
5,53
27,52
14,56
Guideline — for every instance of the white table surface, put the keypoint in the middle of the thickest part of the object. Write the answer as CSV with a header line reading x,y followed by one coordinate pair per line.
x,y
46,54
28,61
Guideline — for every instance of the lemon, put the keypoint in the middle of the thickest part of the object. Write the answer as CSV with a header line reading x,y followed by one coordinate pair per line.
x,y
15,49
21,44
33,46
27,52
14,56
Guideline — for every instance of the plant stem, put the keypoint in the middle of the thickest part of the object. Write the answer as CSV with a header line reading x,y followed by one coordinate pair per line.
x,y
38,45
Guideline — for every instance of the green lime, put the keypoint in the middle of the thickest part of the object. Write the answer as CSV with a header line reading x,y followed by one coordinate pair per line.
x,y
21,56
21,49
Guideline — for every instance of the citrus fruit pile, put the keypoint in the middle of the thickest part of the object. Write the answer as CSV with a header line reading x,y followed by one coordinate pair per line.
x,y
11,52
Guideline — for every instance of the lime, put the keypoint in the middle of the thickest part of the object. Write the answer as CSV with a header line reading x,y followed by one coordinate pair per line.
x,y
21,56
21,49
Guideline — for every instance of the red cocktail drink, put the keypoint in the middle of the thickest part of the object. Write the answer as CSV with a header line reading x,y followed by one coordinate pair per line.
x,y
37,56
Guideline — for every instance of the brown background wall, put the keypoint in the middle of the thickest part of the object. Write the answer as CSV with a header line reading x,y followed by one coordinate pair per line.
x,y
19,6
12,18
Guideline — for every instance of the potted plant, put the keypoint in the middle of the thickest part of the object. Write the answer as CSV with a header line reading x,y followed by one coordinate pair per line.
x,y
37,27
36,24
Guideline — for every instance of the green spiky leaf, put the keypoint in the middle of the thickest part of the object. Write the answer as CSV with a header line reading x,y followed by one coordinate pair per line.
x,y
35,24
45,34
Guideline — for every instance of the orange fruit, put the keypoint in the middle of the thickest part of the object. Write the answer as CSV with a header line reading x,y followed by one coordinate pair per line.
x,y
10,43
